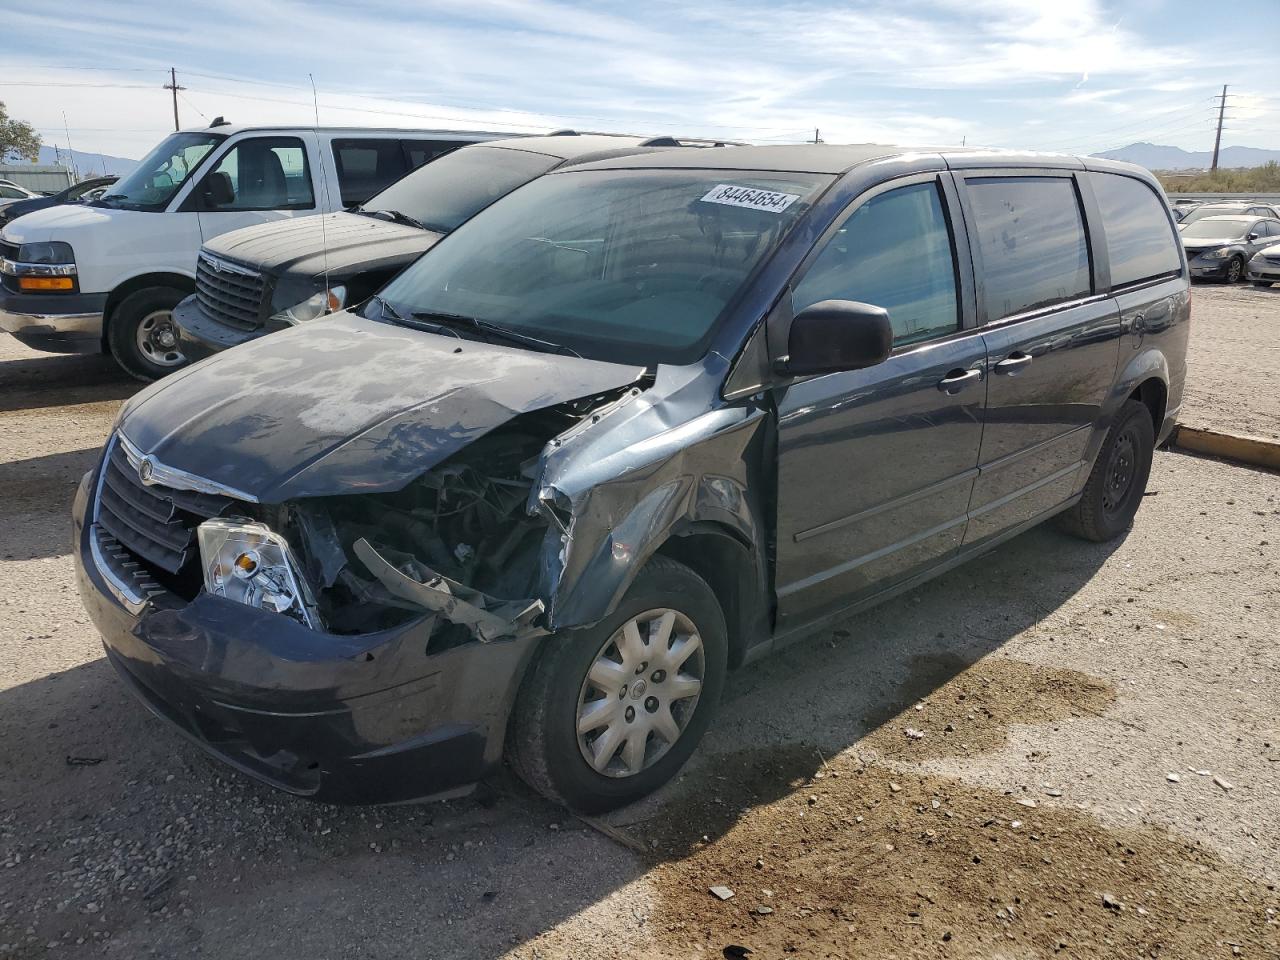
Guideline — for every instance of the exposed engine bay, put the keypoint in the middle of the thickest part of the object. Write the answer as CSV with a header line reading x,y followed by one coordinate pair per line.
x,y
466,529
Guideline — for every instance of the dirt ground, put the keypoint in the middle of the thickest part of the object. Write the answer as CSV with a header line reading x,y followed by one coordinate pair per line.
x,y
1234,360
1059,750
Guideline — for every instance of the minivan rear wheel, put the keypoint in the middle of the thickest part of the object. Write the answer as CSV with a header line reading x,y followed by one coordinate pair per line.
x,y
610,712
142,334
1119,478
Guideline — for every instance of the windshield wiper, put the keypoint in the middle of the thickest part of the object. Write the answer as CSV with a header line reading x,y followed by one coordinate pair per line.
x,y
386,308
395,215
491,329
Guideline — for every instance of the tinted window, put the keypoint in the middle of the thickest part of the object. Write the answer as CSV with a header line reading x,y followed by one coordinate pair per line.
x,y
1031,242
366,166
419,152
1140,242
894,251
634,266
12,193
451,189
1216,228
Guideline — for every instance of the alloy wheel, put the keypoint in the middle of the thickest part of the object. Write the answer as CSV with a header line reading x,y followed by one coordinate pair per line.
x,y
640,693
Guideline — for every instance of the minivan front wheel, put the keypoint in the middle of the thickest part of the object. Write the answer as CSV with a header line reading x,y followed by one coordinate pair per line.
x,y
1119,478
610,713
142,334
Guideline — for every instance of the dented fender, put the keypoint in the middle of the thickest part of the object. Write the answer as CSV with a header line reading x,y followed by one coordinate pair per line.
x,y
629,486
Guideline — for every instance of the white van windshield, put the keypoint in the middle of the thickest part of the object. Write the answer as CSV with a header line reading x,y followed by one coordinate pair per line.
x,y
161,172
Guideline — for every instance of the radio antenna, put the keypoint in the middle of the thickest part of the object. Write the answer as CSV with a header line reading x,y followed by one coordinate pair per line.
x,y
324,181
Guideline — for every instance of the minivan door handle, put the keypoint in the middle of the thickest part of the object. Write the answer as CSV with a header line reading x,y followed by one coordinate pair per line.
x,y
1013,364
958,379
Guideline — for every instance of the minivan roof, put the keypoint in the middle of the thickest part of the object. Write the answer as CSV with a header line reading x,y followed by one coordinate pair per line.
x,y
569,146
837,159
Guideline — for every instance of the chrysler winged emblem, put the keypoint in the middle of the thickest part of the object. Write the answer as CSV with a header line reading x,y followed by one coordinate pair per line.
x,y
146,468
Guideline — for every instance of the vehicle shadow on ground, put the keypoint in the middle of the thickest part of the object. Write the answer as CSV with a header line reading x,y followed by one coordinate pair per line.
x,y
109,806
35,502
60,380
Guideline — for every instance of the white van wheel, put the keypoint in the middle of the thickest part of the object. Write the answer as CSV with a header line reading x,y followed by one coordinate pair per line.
x,y
142,335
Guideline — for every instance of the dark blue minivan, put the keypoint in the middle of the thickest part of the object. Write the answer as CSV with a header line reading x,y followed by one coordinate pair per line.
x,y
639,422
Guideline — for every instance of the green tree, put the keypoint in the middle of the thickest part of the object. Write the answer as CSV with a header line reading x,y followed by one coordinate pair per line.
x,y
17,139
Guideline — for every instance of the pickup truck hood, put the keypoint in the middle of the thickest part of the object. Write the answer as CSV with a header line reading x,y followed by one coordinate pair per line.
x,y
347,405
342,243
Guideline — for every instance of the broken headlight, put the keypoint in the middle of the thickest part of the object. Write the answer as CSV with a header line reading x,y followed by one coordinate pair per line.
x,y
247,562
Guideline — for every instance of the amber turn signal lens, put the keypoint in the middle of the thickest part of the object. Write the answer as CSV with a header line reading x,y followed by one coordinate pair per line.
x,y
46,283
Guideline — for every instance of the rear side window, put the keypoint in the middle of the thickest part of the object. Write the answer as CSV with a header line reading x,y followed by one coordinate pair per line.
x,y
1140,242
1029,235
366,166
418,152
895,252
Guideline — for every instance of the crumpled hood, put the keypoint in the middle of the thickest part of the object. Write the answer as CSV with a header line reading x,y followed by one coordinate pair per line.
x,y
337,242
347,405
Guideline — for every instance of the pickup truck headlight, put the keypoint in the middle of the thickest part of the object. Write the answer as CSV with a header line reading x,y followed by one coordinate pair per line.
x,y
316,305
249,563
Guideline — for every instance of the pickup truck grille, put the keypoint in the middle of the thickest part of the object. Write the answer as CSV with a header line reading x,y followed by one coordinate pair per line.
x,y
229,292
151,525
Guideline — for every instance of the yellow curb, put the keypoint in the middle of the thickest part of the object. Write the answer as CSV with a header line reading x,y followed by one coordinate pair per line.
x,y
1251,450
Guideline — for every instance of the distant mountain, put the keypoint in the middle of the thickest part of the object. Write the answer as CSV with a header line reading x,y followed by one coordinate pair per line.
x,y
1156,156
89,164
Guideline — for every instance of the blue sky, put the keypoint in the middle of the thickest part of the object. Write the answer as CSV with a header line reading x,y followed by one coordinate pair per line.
x,y
1073,75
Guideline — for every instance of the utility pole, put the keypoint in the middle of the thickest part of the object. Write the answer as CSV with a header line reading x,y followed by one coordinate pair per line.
x,y
71,154
1217,140
816,138
173,85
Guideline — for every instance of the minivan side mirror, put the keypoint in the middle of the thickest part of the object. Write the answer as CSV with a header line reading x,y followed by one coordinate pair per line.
x,y
835,335
216,191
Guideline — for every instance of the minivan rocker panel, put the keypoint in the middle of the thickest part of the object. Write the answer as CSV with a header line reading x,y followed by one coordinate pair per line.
x,y
455,543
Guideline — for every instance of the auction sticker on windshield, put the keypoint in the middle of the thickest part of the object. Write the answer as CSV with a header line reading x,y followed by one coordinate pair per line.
x,y
734,196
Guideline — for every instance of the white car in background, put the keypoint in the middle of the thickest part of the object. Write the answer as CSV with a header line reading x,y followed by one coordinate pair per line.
x,y
10,192
106,275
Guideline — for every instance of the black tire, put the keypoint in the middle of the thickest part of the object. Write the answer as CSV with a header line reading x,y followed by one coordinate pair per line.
x,y
1235,270
1262,283
543,742
144,306
1118,481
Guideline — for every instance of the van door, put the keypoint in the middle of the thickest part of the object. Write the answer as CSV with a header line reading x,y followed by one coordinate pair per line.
x,y
875,466
1052,335
257,180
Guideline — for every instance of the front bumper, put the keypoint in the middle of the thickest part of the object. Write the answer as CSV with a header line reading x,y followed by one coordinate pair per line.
x,y
55,323
1264,271
1209,269
202,336
372,718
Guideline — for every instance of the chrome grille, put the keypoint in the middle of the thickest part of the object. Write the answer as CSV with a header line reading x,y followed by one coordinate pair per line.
x,y
151,524
229,292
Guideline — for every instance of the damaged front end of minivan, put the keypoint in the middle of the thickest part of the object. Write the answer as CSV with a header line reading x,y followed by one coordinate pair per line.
x,y
364,643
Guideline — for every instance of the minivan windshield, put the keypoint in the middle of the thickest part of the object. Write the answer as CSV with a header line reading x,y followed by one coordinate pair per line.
x,y
449,190
1223,229
160,174
633,266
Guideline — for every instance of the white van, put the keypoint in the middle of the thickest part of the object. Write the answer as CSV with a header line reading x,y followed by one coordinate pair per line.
x,y
107,274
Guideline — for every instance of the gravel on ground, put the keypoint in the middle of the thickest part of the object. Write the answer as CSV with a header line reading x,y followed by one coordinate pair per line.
x,y
1060,749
